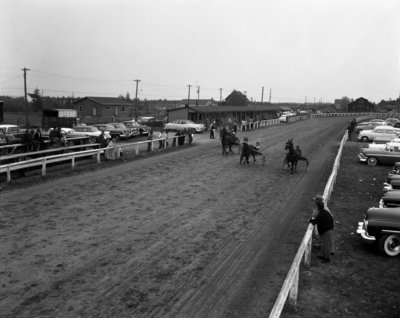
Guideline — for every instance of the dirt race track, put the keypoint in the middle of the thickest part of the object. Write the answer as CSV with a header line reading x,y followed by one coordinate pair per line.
x,y
186,233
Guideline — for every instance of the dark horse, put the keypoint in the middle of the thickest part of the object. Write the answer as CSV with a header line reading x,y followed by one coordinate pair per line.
x,y
250,150
293,157
228,139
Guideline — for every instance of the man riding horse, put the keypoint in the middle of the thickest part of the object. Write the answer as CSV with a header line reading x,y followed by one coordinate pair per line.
x,y
228,139
293,156
250,150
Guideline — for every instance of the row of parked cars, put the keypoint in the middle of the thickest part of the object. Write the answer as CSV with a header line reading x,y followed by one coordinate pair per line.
x,y
382,142
381,225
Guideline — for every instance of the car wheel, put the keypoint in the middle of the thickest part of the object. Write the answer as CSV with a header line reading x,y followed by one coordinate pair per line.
x,y
364,139
390,244
372,161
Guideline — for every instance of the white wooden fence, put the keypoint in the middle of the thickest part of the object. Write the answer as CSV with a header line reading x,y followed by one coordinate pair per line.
x,y
72,156
291,283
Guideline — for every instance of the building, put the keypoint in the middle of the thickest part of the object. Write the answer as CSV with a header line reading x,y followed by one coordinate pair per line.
x,y
361,105
93,110
222,114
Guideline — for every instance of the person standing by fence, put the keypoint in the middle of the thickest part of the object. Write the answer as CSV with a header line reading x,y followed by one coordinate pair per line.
x,y
323,218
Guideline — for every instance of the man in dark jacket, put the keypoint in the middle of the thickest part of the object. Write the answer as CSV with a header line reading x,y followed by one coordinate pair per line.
x,y
324,221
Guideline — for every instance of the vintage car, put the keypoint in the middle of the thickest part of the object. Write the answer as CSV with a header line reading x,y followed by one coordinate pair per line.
x,y
366,125
382,226
385,156
386,133
182,124
390,199
391,121
142,129
116,130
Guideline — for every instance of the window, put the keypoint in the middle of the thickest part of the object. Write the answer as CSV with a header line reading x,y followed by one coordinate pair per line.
x,y
94,111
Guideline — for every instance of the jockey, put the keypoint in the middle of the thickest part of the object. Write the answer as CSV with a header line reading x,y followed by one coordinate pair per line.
x,y
299,153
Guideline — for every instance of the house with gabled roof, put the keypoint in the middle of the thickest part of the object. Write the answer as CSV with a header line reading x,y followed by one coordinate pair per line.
x,y
361,105
93,110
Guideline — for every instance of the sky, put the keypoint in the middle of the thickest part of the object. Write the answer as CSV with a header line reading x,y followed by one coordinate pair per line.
x,y
271,50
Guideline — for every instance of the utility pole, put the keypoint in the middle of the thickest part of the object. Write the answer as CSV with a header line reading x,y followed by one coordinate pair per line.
x,y
220,95
136,98
26,98
262,94
198,95
189,86
305,102
270,96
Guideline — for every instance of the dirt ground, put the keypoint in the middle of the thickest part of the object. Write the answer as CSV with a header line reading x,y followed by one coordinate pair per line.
x,y
191,233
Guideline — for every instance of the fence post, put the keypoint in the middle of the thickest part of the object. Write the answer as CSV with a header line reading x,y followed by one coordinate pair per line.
x,y
98,156
8,174
137,148
44,167
73,162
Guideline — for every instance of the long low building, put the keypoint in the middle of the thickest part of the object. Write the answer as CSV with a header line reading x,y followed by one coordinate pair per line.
x,y
222,114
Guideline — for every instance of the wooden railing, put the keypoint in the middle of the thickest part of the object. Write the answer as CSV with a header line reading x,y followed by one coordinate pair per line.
x,y
291,283
44,161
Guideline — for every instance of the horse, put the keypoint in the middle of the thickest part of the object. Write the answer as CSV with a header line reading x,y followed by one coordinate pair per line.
x,y
292,157
250,150
228,140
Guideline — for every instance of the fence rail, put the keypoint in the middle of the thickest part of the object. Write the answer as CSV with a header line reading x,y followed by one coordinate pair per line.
x,y
291,283
136,147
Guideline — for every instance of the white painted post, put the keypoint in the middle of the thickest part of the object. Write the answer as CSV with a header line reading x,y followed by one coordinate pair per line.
x,y
98,156
8,174
73,162
137,148
44,167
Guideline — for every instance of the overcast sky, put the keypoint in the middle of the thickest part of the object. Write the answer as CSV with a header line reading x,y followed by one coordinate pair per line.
x,y
299,50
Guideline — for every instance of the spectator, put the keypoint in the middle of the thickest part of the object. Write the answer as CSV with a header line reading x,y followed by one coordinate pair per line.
x,y
102,139
37,139
53,136
149,137
190,136
112,151
323,218
212,130
28,140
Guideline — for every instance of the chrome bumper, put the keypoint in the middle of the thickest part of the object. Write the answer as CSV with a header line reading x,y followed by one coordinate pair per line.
x,y
361,231
362,157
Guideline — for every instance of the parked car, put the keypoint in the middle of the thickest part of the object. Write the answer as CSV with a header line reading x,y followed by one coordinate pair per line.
x,y
91,131
120,131
391,121
384,132
373,156
390,199
143,129
366,125
382,226
181,124
377,120
396,125
10,134
283,118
